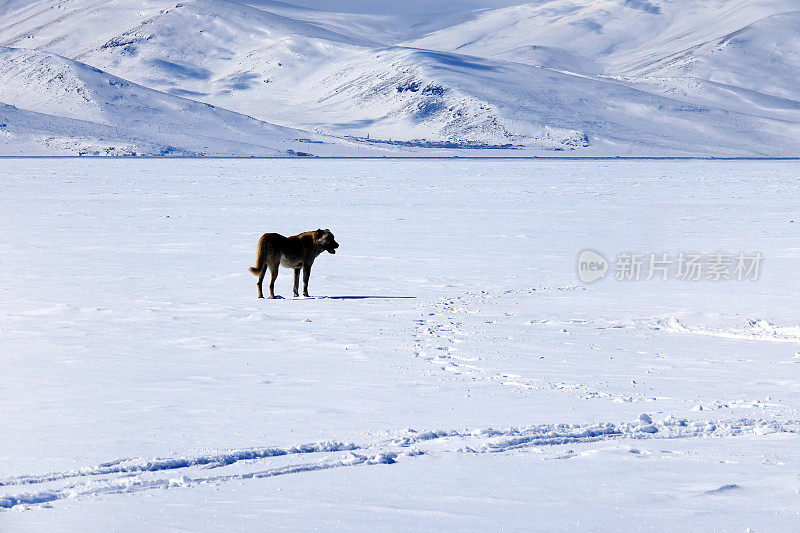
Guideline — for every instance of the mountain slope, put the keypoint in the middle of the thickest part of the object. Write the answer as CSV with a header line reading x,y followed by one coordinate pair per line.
x,y
620,35
753,69
734,56
408,94
68,107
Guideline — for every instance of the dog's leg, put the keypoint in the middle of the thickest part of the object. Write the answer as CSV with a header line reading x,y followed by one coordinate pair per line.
x,y
296,282
273,276
306,275
261,280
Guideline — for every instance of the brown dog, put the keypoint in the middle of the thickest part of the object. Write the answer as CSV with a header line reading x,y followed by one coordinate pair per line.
x,y
294,252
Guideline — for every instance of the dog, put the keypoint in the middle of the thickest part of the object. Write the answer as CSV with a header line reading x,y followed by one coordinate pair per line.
x,y
297,252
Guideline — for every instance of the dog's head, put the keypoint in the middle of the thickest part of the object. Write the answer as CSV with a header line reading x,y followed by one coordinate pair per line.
x,y
326,241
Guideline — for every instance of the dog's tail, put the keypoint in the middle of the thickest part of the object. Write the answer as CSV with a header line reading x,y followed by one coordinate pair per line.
x,y
261,258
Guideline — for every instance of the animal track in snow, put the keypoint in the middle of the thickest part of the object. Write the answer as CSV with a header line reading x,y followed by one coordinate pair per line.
x,y
456,335
132,475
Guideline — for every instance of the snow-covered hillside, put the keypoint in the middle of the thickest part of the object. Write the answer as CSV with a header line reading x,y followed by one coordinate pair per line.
x,y
742,57
565,77
60,107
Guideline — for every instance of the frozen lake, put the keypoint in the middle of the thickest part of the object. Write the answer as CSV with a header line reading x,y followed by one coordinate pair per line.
x,y
452,371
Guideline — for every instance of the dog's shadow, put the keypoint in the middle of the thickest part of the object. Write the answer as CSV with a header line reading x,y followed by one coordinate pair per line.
x,y
365,297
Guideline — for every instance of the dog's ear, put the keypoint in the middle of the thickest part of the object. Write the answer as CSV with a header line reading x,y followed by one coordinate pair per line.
x,y
319,230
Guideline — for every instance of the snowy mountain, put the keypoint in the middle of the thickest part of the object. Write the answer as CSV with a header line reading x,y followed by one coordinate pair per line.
x,y
58,106
561,77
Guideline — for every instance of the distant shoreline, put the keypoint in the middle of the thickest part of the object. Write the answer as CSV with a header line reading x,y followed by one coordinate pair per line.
x,y
437,157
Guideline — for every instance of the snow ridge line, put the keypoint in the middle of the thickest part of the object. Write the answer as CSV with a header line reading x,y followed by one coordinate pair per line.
x,y
404,445
500,440
757,330
132,466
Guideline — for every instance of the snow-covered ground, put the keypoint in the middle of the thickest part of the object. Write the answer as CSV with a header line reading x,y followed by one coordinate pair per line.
x,y
452,371
563,77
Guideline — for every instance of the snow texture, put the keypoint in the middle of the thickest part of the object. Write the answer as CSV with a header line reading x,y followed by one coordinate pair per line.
x,y
357,78
451,372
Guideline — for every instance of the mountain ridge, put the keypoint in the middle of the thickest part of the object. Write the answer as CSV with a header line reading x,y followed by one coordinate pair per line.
x,y
559,77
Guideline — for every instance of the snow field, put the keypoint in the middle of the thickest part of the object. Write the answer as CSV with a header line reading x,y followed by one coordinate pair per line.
x,y
450,372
